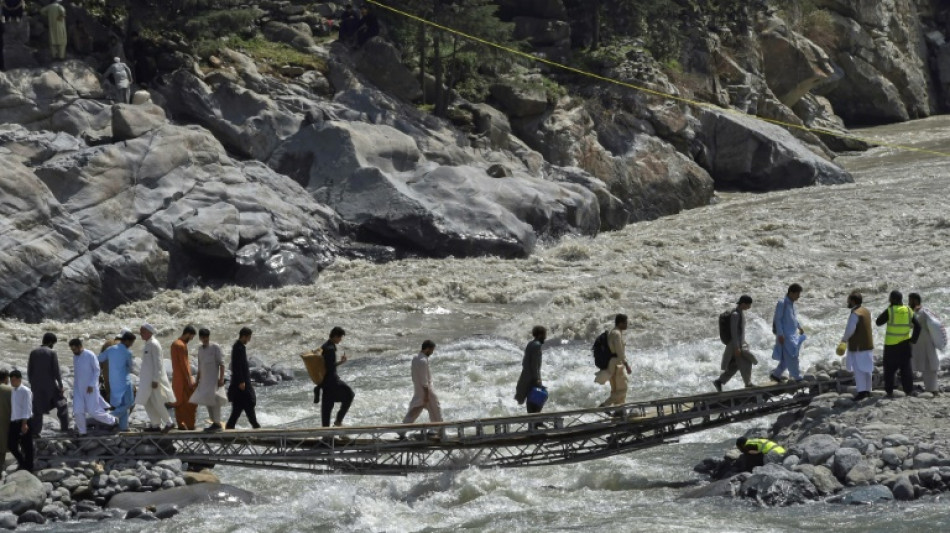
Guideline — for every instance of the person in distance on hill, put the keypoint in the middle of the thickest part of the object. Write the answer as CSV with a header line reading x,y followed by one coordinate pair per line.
x,y
368,27
209,390
348,24
736,356
155,392
55,15
183,383
121,393
789,336
423,396
86,398
932,336
902,331
47,383
20,439
334,389
241,390
618,363
121,76
859,341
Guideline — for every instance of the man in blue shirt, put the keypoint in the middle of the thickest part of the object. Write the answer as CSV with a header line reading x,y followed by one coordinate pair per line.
x,y
121,395
789,336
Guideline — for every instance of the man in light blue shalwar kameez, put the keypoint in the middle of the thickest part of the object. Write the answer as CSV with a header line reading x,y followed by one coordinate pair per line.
x,y
121,394
789,336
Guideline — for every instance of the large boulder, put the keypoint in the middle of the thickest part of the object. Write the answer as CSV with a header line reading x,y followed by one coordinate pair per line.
x,y
793,64
863,495
289,34
880,50
844,460
21,492
381,63
198,494
520,99
773,485
744,154
816,449
131,121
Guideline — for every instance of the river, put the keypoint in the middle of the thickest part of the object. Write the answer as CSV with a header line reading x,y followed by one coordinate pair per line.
x,y
672,276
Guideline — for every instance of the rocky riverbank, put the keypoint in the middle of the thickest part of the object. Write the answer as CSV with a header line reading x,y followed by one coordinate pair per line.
x,y
842,451
129,489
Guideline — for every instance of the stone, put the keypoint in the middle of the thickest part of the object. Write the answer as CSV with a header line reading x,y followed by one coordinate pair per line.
x,y
816,449
863,495
894,456
773,485
131,121
749,155
56,512
204,476
8,520
862,473
285,33
844,460
382,64
896,439
795,65
855,441
165,511
821,477
51,475
94,515
131,483
31,517
181,496
724,488
524,100
903,489
21,492
173,465
925,460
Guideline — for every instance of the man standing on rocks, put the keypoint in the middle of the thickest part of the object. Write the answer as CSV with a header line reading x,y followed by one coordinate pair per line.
x,y
209,390
121,395
423,396
902,331
618,363
86,398
121,76
933,336
859,338
5,408
20,440
334,389
736,356
47,382
241,390
183,383
55,15
155,392
789,336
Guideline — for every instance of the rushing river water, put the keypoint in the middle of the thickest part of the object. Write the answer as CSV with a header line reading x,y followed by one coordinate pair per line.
x,y
887,231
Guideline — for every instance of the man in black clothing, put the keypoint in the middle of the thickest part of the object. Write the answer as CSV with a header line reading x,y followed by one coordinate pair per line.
x,y
42,369
241,390
368,27
334,390
897,344
348,24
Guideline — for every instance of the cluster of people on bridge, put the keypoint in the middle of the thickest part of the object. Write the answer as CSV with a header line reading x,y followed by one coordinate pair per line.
x,y
912,337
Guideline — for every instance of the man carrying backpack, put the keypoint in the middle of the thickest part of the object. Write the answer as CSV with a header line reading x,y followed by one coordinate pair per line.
x,y
617,364
736,357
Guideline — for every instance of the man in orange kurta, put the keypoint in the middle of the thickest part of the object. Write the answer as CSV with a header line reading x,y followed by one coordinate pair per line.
x,y
183,383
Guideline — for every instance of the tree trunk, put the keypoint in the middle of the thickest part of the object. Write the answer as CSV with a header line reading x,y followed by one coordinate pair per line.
x,y
440,106
595,27
421,48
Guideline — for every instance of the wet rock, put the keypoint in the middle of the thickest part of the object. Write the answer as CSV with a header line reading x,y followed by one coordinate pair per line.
x,y
131,483
925,460
134,513
56,512
776,486
821,477
896,439
844,460
21,492
816,449
181,496
205,476
903,489
94,515
894,456
747,155
724,488
31,517
165,511
51,475
863,495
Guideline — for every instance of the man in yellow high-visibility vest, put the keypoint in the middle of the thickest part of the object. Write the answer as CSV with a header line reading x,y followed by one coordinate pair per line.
x,y
902,331
755,450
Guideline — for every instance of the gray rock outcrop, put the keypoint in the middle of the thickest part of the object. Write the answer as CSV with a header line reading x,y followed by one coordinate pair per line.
x,y
22,492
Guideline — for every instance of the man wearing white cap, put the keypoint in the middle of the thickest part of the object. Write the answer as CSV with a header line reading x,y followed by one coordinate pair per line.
x,y
154,389
121,76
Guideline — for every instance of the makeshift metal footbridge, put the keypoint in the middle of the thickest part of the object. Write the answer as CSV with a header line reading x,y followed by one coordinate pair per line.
x,y
531,440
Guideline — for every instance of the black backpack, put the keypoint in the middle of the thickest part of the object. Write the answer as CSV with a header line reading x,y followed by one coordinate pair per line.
x,y
601,351
725,327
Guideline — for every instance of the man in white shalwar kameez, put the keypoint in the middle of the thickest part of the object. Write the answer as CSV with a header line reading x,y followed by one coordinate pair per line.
x,y
859,340
155,391
86,398
932,337
423,396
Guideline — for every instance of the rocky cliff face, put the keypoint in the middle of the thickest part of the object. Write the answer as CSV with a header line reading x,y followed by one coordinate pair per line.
x,y
240,175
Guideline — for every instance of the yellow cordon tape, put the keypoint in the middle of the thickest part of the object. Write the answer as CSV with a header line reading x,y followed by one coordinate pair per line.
x,y
647,90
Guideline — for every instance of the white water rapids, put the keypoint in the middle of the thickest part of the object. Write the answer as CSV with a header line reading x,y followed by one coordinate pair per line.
x,y
672,276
